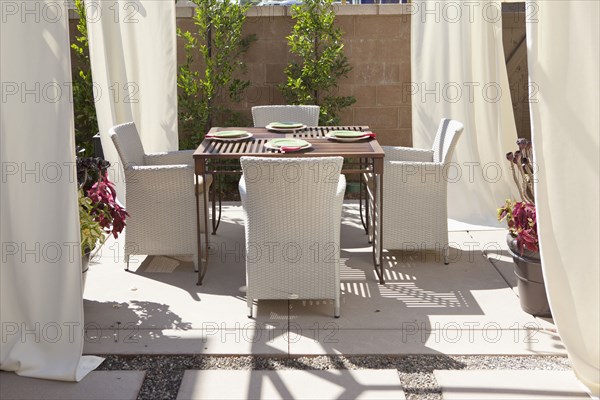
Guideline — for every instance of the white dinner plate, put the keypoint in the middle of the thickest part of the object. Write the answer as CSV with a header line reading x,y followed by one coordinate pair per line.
x,y
331,135
230,136
275,144
282,129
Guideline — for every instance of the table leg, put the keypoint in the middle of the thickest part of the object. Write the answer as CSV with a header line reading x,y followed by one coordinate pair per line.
x,y
377,222
380,241
220,197
198,230
205,194
367,211
216,220
202,267
364,220
370,210
215,188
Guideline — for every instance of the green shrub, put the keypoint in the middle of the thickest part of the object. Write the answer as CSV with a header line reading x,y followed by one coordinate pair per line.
x,y
317,43
220,45
86,123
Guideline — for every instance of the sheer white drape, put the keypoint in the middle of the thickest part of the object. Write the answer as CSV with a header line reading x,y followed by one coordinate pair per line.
x,y
133,55
459,72
41,288
563,55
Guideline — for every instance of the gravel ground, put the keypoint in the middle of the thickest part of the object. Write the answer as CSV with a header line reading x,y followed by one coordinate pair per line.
x,y
164,373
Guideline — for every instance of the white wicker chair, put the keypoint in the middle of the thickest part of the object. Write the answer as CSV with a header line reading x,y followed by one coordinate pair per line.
x,y
264,115
415,193
292,212
159,197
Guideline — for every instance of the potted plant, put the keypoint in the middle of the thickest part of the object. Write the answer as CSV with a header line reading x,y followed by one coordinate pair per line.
x,y
522,236
100,213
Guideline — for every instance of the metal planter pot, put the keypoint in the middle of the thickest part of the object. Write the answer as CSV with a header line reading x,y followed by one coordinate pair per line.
x,y
530,280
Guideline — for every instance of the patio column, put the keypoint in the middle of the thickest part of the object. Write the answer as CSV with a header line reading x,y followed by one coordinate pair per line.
x,y
41,306
563,55
459,72
133,55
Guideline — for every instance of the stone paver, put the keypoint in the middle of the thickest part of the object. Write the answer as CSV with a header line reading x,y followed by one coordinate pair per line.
x,y
250,339
509,384
291,384
106,385
329,340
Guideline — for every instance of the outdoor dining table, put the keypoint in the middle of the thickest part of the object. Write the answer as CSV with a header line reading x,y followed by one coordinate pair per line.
x,y
213,157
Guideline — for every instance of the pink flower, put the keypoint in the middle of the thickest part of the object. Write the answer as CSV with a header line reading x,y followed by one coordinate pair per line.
x,y
521,216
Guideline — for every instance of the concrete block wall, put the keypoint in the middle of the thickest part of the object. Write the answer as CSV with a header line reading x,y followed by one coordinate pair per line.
x,y
377,43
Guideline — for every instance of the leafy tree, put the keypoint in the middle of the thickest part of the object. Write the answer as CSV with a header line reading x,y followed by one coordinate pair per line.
x,y
220,43
317,43
86,124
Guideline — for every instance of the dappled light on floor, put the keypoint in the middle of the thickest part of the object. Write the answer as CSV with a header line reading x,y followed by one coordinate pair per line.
x,y
413,296
466,307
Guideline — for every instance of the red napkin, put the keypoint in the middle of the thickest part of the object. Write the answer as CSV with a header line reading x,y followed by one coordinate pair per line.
x,y
370,134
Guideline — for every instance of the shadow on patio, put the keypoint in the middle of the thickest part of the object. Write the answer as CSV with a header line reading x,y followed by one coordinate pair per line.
x,y
425,307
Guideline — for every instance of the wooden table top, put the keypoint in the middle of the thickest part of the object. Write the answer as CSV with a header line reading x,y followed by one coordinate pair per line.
x,y
321,146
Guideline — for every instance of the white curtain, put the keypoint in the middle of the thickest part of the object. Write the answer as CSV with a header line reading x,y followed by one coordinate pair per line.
x,y
458,71
133,55
41,288
563,57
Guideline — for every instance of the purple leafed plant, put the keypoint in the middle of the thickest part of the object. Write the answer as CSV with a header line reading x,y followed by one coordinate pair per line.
x,y
521,215
100,213
522,223
108,212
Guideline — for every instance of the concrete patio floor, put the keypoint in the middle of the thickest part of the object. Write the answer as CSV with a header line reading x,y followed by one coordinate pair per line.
x,y
431,331
425,307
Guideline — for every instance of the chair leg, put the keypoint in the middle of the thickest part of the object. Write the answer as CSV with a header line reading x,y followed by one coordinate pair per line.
x,y
196,264
446,253
249,304
336,308
126,263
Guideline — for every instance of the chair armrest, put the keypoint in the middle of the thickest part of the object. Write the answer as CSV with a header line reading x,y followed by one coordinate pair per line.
x,y
408,172
407,154
341,187
242,188
170,158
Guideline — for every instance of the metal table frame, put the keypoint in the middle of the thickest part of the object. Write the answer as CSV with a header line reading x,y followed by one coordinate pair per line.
x,y
369,168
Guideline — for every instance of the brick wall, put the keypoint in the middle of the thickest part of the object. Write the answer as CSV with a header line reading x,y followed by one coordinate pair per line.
x,y
377,43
